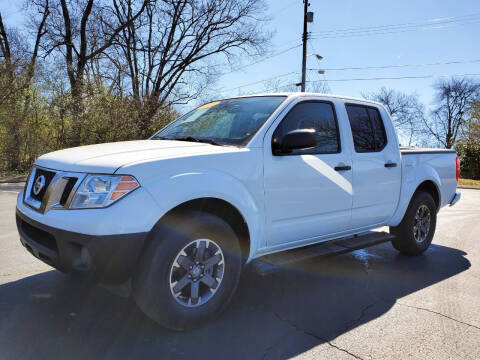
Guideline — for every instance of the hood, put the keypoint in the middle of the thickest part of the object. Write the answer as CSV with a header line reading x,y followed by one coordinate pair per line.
x,y
107,158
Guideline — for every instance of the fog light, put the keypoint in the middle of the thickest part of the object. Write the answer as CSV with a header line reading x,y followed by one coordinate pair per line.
x,y
84,261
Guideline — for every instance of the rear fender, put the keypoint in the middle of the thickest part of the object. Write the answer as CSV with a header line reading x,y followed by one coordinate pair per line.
x,y
410,184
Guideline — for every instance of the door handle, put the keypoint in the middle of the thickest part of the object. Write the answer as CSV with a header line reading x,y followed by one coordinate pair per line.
x,y
342,168
390,164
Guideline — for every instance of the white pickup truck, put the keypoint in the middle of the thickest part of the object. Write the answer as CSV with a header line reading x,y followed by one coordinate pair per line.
x,y
232,180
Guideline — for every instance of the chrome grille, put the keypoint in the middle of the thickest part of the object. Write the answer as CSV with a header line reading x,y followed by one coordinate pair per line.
x,y
57,191
47,177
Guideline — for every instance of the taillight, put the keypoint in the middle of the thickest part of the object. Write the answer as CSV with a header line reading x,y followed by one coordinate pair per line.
x,y
457,168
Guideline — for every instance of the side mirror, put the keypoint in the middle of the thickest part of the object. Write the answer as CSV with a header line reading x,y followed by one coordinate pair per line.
x,y
297,139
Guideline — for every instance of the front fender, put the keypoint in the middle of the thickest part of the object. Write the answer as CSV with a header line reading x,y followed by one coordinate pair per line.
x,y
177,189
413,178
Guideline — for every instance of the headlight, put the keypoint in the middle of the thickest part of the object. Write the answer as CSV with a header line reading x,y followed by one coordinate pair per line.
x,y
97,191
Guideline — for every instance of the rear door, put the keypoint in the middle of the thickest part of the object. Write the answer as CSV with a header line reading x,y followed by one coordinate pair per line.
x,y
376,165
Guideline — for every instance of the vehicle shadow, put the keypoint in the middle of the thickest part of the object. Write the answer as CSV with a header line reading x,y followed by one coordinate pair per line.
x,y
276,313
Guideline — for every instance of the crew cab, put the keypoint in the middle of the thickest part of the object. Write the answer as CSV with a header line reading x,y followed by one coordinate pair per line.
x,y
233,180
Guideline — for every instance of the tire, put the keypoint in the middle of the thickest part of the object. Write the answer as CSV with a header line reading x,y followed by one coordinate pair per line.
x,y
411,236
154,288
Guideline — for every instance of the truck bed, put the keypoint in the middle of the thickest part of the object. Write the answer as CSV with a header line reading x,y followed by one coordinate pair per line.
x,y
407,150
437,165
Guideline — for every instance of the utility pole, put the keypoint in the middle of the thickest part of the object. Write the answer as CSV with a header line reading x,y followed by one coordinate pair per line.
x,y
307,17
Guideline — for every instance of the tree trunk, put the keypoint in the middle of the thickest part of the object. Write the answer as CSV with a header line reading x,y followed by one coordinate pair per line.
x,y
77,112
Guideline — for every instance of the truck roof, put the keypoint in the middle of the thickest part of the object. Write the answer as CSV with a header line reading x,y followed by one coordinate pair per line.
x,y
310,94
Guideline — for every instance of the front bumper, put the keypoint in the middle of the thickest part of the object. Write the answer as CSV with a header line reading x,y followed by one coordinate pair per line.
x,y
106,258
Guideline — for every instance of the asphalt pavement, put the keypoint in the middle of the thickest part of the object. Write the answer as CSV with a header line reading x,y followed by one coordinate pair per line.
x,y
369,304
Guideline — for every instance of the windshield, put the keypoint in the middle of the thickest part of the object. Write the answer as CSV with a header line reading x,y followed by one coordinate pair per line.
x,y
232,121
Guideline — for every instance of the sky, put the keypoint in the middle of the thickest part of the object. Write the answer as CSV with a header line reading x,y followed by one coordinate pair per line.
x,y
353,33
432,31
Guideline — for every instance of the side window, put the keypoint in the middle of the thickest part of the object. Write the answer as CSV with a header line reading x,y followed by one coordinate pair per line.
x,y
377,123
315,115
367,128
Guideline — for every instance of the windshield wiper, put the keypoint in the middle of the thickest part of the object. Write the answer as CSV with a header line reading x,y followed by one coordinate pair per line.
x,y
194,139
187,138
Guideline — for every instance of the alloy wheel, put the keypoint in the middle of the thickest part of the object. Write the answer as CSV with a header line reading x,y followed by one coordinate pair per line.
x,y
197,272
421,226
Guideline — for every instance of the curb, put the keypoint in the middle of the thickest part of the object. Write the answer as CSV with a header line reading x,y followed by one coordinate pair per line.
x,y
14,180
11,186
22,179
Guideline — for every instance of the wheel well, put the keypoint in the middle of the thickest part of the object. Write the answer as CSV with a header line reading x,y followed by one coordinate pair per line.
x,y
430,187
223,210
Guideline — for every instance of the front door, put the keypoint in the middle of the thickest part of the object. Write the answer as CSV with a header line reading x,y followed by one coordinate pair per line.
x,y
308,192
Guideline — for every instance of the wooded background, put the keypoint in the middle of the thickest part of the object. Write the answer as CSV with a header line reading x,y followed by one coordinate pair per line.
x,y
93,71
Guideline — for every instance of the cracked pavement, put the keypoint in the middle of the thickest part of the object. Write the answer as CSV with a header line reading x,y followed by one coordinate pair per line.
x,y
369,304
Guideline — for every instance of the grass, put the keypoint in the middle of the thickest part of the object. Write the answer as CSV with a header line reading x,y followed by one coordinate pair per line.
x,y
469,182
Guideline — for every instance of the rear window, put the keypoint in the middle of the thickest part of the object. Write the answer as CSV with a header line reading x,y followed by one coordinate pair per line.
x,y
367,128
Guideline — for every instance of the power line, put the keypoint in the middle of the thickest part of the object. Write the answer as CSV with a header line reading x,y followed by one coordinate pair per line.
x,y
376,78
262,59
419,23
318,62
404,77
350,79
286,7
398,66
386,32
261,81
392,29
372,30
428,22
382,33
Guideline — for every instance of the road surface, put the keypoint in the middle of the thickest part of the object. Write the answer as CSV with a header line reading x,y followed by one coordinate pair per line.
x,y
369,304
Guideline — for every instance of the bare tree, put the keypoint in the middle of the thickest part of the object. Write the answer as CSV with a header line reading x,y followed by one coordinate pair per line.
x,y
6,68
81,38
273,85
451,114
318,86
277,85
26,58
82,30
39,20
169,53
407,113
4,42
18,69
12,60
